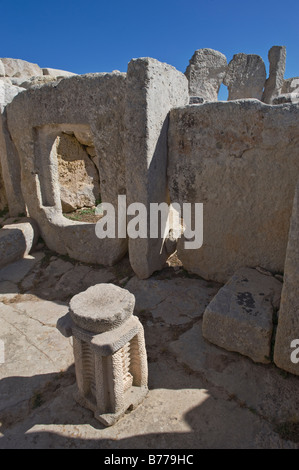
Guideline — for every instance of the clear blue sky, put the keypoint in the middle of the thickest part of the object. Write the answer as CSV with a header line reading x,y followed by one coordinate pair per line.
x,y
101,36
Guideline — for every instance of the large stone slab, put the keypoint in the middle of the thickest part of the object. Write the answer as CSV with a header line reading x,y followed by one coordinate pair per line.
x,y
277,58
240,317
20,68
56,72
205,73
174,302
245,77
17,240
9,160
240,159
260,388
288,318
87,103
34,354
153,88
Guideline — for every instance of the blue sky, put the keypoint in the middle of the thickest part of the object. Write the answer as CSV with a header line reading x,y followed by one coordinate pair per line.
x,y
101,36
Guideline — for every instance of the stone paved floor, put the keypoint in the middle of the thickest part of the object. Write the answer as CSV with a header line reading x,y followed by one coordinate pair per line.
x,y
201,397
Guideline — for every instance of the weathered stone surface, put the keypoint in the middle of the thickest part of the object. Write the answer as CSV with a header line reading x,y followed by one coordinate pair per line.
x,y
240,317
290,85
240,159
33,82
174,302
277,58
2,69
78,176
153,88
288,317
3,198
286,98
245,77
20,68
9,160
102,307
205,73
17,240
15,272
260,388
57,73
92,103
35,353
207,408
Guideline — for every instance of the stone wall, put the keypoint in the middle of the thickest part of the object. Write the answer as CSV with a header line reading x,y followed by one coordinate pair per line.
x,y
240,159
80,105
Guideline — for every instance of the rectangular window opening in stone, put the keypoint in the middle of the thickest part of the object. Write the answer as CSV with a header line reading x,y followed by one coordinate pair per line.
x,y
78,175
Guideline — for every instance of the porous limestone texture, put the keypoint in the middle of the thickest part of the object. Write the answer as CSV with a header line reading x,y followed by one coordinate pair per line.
x,y
102,307
34,82
245,77
153,89
17,240
290,85
88,103
20,68
277,58
78,175
205,73
240,317
288,317
57,73
3,199
240,159
10,191
109,350
286,98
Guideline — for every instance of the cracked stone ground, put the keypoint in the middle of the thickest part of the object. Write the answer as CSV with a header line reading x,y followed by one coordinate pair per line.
x,y
201,396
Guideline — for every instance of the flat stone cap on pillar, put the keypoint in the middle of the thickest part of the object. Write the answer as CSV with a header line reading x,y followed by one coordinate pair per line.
x,y
102,308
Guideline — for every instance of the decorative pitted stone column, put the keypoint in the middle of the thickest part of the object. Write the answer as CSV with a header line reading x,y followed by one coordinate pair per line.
x,y
109,350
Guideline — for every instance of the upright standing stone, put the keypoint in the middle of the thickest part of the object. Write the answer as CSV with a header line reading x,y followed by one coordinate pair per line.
x,y
205,73
245,77
240,159
288,319
9,159
153,88
277,58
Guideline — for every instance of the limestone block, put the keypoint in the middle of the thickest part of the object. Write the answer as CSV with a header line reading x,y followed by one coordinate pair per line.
x,y
286,98
245,77
3,198
2,69
277,58
78,176
205,73
290,85
20,68
33,82
17,240
56,73
288,317
9,159
240,317
240,159
87,103
153,88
